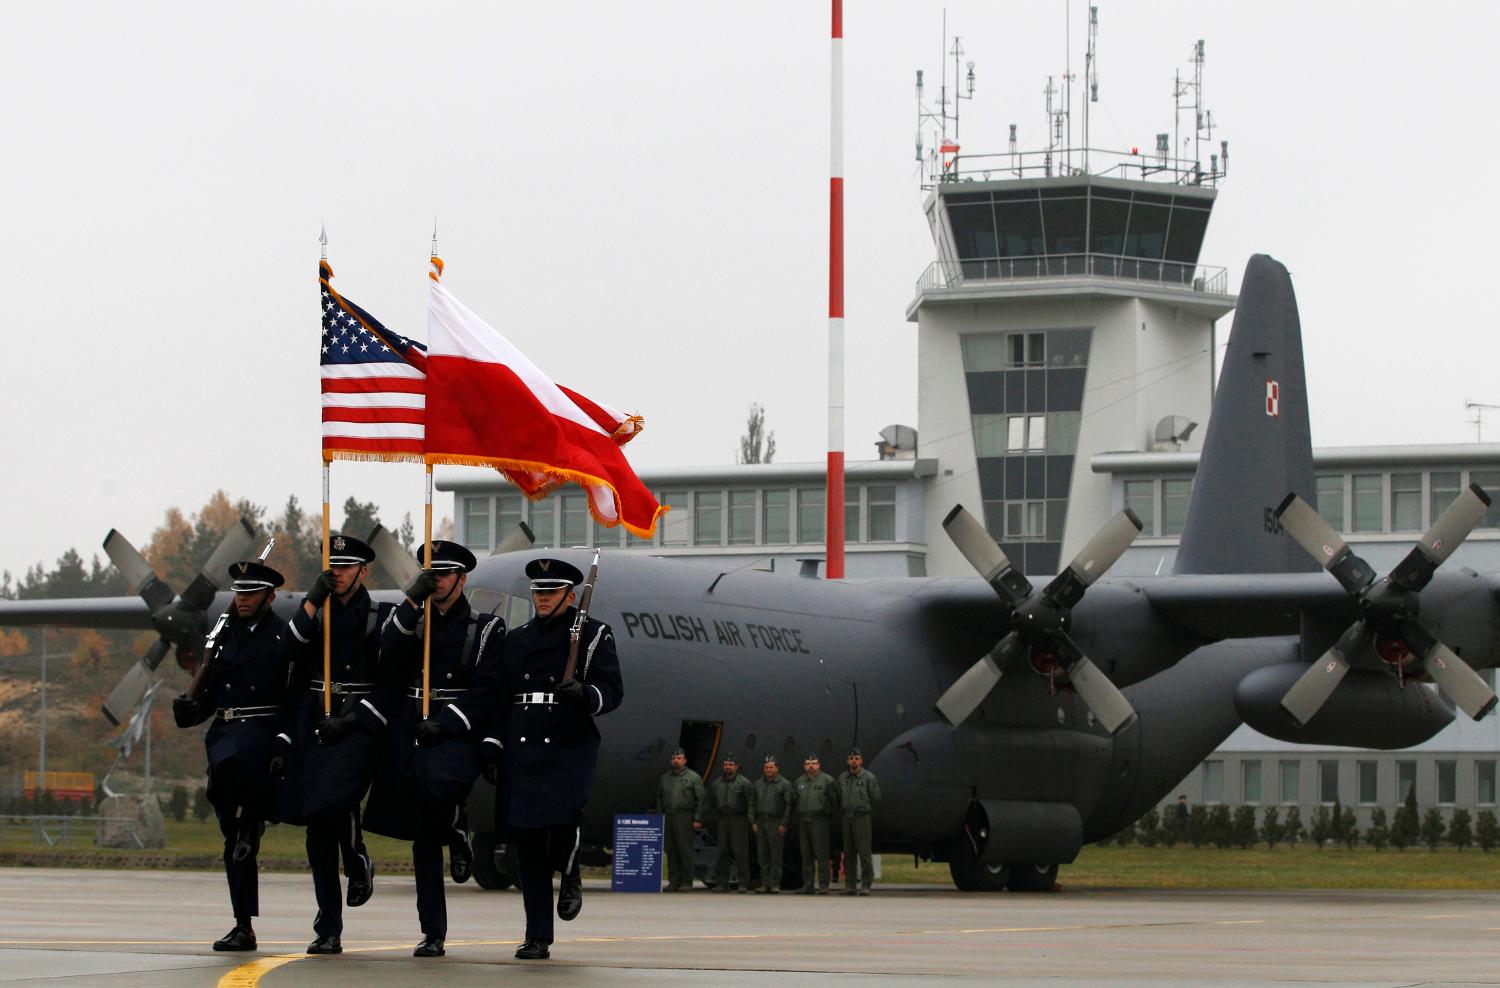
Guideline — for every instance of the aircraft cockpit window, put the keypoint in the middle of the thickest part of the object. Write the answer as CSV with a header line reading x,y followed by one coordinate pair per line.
x,y
487,601
518,611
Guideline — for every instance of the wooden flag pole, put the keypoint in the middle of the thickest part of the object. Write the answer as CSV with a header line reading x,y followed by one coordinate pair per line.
x,y
327,609
427,613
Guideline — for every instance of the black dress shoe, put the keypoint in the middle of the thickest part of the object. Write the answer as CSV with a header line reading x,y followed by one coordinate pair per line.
x,y
533,950
569,897
461,860
325,945
239,938
361,887
429,947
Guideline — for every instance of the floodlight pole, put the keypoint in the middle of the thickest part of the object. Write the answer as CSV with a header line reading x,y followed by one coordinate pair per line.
x,y
834,498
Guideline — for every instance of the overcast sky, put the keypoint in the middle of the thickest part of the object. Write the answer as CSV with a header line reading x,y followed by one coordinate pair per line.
x,y
637,195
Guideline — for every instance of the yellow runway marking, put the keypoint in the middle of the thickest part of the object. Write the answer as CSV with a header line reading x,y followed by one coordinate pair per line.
x,y
249,975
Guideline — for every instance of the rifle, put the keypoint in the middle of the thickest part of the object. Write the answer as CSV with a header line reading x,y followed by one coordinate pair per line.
x,y
211,643
578,619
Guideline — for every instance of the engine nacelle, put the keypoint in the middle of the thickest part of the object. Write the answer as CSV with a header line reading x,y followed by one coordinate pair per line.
x,y
1368,710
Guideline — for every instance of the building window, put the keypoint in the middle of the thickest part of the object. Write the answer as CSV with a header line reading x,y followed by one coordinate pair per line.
x,y
1367,490
674,525
1490,481
1369,789
1445,486
477,522
1140,497
1328,781
1447,779
1036,433
851,515
1291,782
1484,783
575,520
1062,432
1016,434
708,518
607,537
810,518
882,508
1406,502
1250,781
1026,349
741,517
1213,781
983,352
1406,780
508,514
776,508
991,435
543,523
1174,504
1329,500
1025,519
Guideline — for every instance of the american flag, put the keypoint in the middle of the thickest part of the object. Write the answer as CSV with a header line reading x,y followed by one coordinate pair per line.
x,y
374,384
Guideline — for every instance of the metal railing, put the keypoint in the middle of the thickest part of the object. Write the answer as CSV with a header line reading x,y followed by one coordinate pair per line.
x,y
1039,268
1069,162
54,830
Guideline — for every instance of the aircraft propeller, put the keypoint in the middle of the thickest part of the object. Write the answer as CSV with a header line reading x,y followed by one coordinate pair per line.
x,y
1039,621
1388,606
180,621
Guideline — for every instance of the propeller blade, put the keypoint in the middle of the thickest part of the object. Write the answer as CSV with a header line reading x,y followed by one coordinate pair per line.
x,y
1102,696
969,690
129,690
1313,688
985,556
394,566
139,578
1440,541
520,538
1101,552
234,546
1456,678
1318,539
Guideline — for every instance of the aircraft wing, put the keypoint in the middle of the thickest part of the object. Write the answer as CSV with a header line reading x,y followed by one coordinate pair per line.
x,y
1246,605
76,612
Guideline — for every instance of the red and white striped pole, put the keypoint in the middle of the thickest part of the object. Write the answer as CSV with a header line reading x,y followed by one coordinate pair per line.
x,y
834,567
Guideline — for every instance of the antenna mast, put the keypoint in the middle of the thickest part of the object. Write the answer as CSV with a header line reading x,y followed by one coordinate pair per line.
x,y
1090,79
940,170
1479,408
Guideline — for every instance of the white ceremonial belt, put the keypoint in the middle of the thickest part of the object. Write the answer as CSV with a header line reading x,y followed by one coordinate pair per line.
x,y
241,713
415,692
352,689
536,697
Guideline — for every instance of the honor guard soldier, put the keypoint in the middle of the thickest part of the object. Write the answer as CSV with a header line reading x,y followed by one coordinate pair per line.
x,y
332,760
544,738
774,799
680,799
817,804
243,688
428,766
733,799
859,791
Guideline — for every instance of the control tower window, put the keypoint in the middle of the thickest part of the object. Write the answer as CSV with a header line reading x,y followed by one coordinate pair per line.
x,y
1147,236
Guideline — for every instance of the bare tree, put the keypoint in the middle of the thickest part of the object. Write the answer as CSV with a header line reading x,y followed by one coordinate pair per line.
x,y
756,445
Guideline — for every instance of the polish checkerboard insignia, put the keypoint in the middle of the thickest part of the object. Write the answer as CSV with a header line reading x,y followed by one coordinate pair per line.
x,y
1273,398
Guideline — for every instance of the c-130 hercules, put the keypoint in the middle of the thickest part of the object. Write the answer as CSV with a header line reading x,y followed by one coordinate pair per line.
x,y
1001,773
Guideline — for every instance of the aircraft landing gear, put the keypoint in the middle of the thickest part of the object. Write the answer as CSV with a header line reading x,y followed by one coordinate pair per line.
x,y
1031,877
969,875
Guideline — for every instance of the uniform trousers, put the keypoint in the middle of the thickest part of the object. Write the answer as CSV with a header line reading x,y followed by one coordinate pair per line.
x,y
679,840
438,828
540,852
814,845
331,834
244,884
240,789
769,845
734,849
858,851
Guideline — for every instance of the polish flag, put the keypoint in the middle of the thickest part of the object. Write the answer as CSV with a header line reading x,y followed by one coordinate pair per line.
x,y
488,405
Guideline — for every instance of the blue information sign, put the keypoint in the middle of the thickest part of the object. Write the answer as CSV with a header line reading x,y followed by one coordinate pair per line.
x,y
638,852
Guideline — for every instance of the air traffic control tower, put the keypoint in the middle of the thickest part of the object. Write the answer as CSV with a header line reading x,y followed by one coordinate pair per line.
x,y
1066,315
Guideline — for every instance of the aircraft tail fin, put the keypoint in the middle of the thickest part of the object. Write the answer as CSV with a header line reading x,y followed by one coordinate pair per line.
x,y
1258,447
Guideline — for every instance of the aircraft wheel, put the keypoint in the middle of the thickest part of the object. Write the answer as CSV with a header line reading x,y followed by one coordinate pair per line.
x,y
969,875
489,873
1031,877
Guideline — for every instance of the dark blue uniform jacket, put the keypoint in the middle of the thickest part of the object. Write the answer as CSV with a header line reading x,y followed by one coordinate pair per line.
x,y
465,661
551,749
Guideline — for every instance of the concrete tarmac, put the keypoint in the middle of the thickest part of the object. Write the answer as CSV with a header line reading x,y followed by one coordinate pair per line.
x,y
144,928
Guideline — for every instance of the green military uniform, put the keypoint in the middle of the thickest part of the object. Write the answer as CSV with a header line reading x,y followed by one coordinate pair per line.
x,y
817,804
858,794
733,802
774,799
679,796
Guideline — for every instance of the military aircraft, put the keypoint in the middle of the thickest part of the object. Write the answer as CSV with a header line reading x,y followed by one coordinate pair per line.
x,y
1009,726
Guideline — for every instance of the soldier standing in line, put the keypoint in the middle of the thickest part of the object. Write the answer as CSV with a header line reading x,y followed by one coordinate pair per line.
x,y
331,761
543,732
428,766
817,804
733,799
680,798
859,791
244,691
774,799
